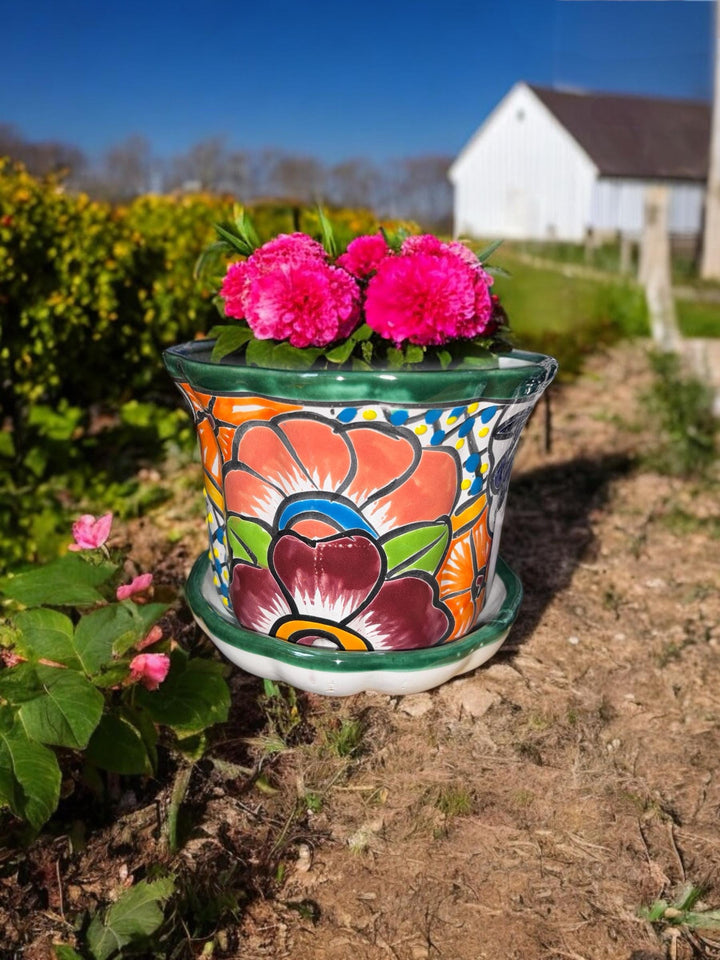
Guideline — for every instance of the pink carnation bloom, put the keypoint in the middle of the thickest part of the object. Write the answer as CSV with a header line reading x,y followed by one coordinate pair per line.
x,y
309,304
150,669
136,585
287,249
427,243
364,255
89,533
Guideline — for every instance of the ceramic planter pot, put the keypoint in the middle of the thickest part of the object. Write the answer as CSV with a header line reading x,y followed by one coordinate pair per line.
x,y
355,517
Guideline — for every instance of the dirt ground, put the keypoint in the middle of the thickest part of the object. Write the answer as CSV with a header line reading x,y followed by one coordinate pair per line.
x,y
527,810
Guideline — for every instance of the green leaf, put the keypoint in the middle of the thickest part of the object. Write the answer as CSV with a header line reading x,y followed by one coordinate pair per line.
x,y
363,332
193,697
237,243
7,444
245,227
229,338
118,746
19,683
489,251
46,634
67,581
194,747
134,917
66,713
496,271
112,630
210,258
419,548
29,773
328,234
414,353
342,352
280,356
702,920
249,540
444,358
64,951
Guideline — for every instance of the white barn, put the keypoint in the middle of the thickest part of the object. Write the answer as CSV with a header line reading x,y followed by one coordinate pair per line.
x,y
552,165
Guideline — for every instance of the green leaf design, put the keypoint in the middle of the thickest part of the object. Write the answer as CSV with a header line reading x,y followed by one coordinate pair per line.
x,y
46,634
419,548
194,696
66,713
118,746
29,773
229,338
135,916
248,540
67,581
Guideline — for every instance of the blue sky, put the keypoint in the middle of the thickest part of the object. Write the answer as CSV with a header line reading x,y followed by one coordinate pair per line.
x,y
381,78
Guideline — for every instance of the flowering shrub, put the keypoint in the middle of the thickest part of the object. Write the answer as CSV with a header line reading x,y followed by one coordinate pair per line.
x,y
385,300
91,674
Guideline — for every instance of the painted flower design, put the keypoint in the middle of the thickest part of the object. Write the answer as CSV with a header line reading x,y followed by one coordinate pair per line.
x,y
318,477
463,575
334,593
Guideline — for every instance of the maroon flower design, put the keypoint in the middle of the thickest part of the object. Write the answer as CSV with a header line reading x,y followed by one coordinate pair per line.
x,y
334,593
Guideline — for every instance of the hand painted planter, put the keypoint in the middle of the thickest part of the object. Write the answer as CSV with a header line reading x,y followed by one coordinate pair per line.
x,y
356,511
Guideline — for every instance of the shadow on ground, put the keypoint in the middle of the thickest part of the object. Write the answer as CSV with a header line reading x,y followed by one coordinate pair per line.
x,y
548,528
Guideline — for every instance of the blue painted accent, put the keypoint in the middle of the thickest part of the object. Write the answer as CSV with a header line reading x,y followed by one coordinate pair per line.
x,y
345,416
466,427
220,534
399,417
476,485
457,411
345,516
437,438
487,414
432,415
472,463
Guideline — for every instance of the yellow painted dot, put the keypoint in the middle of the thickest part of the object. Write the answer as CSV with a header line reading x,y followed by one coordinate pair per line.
x,y
216,552
226,601
472,407
369,414
465,484
216,581
484,432
210,556
484,468
459,444
421,428
451,419
209,518
225,574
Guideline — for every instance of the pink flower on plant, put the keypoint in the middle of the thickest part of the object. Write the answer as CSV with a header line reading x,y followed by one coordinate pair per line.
x,y
150,669
233,289
89,533
310,304
364,255
136,585
154,635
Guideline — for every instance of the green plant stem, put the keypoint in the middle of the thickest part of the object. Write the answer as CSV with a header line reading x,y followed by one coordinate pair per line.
x,y
180,786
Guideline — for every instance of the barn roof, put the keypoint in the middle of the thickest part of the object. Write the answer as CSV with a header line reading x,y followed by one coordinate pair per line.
x,y
629,136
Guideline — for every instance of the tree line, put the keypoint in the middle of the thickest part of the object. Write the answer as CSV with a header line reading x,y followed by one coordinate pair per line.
x,y
413,187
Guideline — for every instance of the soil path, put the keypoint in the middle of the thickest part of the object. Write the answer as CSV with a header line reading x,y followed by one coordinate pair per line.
x,y
527,810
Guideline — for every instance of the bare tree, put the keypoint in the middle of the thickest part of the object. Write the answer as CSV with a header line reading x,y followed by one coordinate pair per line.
x,y
355,183
41,157
127,169
424,192
297,177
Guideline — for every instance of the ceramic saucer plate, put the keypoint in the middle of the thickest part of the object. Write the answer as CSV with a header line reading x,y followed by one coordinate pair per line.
x,y
340,673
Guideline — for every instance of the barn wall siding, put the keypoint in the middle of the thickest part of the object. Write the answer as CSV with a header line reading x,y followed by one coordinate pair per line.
x,y
617,205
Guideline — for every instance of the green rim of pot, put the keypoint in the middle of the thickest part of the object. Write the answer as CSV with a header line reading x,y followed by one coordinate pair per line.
x,y
512,375
350,661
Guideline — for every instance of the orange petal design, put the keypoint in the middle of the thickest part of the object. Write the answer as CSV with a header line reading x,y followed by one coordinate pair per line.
x,y
312,529
469,513
381,458
464,612
238,410
261,449
250,495
323,453
428,493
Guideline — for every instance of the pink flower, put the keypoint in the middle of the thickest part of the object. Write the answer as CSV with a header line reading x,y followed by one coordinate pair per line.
x,y
364,255
136,585
90,533
150,669
9,658
309,304
285,250
153,636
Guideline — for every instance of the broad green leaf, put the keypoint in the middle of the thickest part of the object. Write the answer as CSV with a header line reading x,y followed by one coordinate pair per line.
x,y
342,352
194,696
229,338
194,747
249,540
420,548
363,332
29,774
19,683
414,353
444,358
112,630
46,634
118,746
67,581
136,915
702,920
280,356
67,711
489,251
